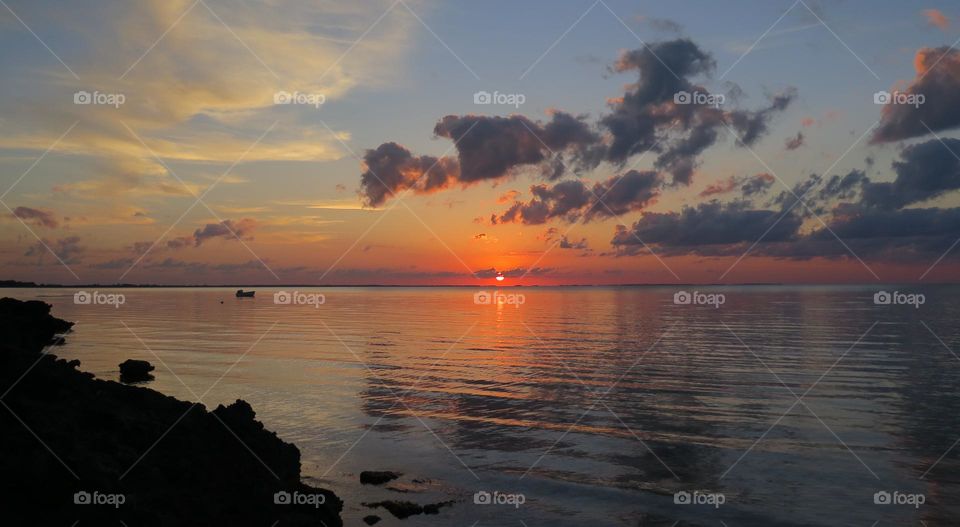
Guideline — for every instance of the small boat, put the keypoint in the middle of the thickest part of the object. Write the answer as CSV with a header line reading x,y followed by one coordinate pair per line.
x,y
245,294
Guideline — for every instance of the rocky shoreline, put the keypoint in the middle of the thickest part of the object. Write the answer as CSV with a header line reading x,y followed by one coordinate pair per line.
x,y
80,449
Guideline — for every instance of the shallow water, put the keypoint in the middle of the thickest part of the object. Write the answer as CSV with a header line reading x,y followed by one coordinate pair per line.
x,y
594,404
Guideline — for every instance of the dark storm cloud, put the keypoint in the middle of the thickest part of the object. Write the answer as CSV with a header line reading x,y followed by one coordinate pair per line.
x,y
938,82
925,171
37,217
391,168
571,200
874,220
490,147
648,118
228,229
68,250
793,143
706,227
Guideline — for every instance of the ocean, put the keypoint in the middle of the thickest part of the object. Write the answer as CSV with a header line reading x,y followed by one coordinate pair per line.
x,y
608,406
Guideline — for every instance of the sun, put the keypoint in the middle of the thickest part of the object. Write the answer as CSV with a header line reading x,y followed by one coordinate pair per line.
x,y
500,277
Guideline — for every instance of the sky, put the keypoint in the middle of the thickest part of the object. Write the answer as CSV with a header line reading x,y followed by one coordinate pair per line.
x,y
418,142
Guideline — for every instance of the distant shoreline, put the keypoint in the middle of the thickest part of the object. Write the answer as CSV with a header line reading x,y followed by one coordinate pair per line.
x,y
14,284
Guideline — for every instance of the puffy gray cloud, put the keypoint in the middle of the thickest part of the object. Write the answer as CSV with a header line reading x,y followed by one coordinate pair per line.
x,y
938,82
572,200
391,168
925,171
708,228
37,217
491,147
228,229
647,118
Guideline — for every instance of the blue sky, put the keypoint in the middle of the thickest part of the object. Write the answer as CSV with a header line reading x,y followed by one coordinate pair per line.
x,y
198,79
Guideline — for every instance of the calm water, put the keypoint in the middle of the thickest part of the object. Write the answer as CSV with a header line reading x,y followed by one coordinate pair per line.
x,y
595,404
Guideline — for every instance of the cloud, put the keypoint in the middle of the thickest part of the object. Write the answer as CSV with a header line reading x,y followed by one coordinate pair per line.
x,y
708,228
41,218
647,118
877,220
202,95
925,171
391,168
67,249
572,200
565,243
661,24
491,147
749,186
938,81
793,143
936,18
228,229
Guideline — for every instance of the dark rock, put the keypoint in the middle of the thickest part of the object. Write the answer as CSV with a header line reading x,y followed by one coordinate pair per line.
x,y
371,519
135,371
174,462
405,509
374,477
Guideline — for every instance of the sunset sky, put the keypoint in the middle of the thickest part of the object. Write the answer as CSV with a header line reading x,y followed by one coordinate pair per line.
x,y
184,169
